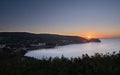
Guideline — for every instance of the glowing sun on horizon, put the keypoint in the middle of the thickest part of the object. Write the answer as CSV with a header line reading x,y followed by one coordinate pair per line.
x,y
89,37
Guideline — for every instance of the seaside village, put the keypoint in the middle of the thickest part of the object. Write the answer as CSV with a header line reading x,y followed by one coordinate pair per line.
x,y
12,50
26,47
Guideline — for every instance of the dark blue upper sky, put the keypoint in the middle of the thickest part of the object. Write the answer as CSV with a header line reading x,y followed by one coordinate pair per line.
x,y
71,17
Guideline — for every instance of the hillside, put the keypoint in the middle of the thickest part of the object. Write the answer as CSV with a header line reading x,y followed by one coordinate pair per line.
x,y
98,64
30,38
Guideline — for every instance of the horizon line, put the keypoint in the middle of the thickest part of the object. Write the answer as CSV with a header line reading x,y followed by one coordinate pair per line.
x,y
57,34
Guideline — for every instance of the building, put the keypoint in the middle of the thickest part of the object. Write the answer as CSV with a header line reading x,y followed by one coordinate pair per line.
x,y
39,44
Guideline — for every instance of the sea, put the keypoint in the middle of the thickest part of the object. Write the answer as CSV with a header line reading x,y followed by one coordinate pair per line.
x,y
107,46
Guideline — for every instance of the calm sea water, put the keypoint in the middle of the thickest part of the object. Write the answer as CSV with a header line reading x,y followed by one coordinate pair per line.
x,y
76,50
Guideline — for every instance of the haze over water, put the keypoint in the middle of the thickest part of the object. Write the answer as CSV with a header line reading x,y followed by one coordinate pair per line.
x,y
76,50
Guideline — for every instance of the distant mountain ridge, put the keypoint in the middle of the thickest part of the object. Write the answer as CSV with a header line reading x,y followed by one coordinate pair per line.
x,y
24,37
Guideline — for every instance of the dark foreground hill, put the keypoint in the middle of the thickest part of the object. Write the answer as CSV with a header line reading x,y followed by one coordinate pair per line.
x,y
98,64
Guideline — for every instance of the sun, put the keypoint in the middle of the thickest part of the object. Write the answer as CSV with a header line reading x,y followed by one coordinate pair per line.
x,y
89,37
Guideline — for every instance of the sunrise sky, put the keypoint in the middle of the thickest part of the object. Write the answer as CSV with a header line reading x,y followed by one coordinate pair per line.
x,y
94,18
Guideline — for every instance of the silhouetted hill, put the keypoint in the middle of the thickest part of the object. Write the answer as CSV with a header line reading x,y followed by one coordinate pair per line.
x,y
94,40
27,38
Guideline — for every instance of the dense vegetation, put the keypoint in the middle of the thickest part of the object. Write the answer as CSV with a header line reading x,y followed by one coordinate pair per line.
x,y
99,64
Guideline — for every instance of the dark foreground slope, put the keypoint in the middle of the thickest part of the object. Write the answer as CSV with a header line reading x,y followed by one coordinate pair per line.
x,y
98,64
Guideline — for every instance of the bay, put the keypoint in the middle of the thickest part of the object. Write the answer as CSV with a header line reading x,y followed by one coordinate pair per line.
x,y
76,50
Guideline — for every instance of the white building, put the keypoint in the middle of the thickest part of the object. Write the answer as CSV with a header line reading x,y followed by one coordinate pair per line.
x,y
39,44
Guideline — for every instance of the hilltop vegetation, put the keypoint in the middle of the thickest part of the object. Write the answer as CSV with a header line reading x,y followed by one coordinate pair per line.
x,y
98,64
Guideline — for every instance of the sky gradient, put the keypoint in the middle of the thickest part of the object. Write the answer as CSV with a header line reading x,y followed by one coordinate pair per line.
x,y
96,18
